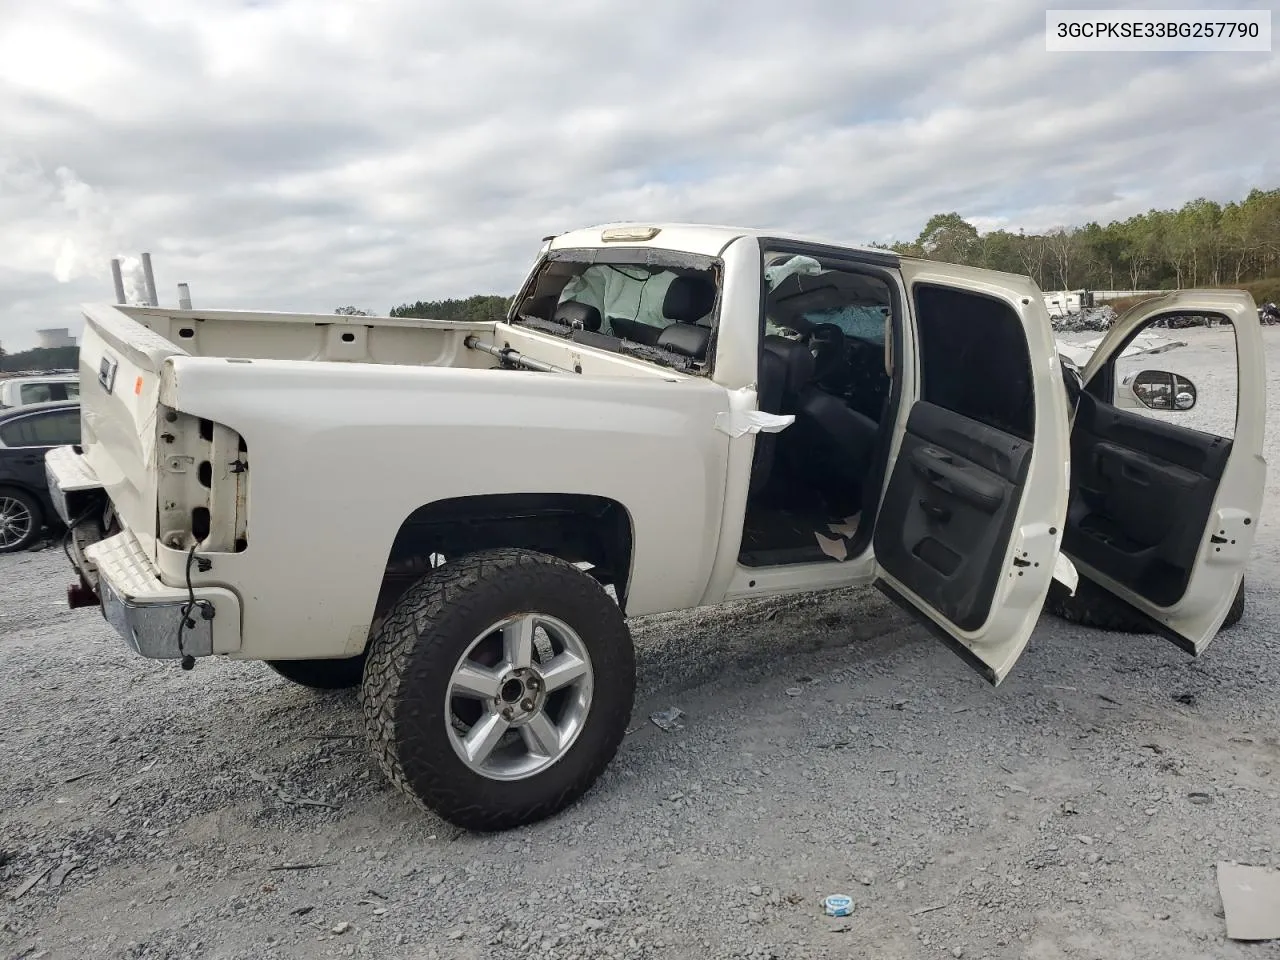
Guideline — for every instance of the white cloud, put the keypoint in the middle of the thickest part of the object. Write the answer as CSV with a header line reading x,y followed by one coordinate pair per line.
x,y
310,153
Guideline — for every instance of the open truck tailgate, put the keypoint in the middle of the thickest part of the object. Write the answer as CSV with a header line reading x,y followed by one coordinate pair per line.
x,y
120,364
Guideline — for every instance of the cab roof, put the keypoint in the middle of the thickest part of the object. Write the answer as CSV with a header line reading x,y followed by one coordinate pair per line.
x,y
710,240
705,239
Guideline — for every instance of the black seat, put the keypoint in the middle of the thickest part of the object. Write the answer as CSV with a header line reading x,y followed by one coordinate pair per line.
x,y
686,339
837,444
786,367
830,445
572,313
689,298
792,364
635,331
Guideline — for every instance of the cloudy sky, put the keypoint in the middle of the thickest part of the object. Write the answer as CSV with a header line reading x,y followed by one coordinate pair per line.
x,y
305,154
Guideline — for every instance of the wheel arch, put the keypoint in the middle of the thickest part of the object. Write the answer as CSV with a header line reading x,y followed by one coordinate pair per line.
x,y
579,528
36,494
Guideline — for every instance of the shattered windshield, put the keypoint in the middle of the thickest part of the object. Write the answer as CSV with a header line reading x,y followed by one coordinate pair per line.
x,y
657,305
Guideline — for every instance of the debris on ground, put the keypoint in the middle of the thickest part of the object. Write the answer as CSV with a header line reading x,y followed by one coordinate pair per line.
x,y
1089,319
838,905
23,890
668,720
1250,901
60,875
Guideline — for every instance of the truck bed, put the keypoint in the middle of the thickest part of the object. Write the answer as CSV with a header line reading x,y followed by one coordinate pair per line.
x,y
318,337
338,338
203,426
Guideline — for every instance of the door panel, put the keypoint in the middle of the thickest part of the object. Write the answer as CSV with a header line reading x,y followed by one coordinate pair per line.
x,y
947,514
1161,515
968,531
1141,494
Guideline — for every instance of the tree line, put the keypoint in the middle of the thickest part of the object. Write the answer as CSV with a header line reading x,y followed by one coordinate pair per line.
x,y
40,358
479,308
1202,244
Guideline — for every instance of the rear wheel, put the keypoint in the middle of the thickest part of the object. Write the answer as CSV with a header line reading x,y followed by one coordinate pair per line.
x,y
1094,607
499,687
341,674
21,519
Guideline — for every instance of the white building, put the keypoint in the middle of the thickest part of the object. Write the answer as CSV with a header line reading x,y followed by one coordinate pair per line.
x,y
55,337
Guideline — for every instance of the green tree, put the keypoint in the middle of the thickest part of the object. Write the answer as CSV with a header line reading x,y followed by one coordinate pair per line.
x,y
1201,243
42,358
482,308
907,248
1033,252
999,251
950,237
1101,249
1061,243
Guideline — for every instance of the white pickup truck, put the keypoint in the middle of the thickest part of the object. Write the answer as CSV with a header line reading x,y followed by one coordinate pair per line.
x,y
459,516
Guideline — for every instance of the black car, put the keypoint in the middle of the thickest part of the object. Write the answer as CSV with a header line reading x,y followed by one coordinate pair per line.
x,y
25,434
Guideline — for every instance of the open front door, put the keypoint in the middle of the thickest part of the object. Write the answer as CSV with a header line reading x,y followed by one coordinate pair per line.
x,y
968,533
1165,500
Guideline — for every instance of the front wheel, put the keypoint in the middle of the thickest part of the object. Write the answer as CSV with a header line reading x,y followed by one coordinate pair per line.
x,y
499,688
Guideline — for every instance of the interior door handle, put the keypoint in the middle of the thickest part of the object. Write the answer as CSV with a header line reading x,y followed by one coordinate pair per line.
x,y
938,468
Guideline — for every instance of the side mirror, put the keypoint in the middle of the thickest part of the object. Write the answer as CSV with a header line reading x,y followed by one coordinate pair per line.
x,y
1160,390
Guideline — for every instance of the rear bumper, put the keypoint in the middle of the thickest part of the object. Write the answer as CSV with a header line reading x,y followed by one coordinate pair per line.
x,y
156,620
150,615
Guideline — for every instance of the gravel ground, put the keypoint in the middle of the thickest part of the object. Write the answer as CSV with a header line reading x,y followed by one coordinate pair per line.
x,y
829,746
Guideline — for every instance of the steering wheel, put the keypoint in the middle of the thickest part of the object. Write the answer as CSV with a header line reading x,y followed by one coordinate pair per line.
x,y
830,349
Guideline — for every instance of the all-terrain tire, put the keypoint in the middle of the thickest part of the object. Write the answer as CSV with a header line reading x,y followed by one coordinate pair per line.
x,y
1094,607
414,652
23,508
1236,612
339,674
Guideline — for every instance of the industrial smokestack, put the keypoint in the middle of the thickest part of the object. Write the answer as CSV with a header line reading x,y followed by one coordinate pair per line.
x,y
184,297
118,278
152,298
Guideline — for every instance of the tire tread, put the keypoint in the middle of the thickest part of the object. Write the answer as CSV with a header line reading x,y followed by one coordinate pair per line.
x,y
408,634
1091,606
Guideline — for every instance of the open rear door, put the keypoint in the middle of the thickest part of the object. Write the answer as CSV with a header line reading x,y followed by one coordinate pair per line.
x,y
969,529
1162,514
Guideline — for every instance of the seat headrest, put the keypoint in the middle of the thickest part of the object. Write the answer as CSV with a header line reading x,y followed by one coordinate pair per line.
x,y
571,311
796,360
686,339
689,299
